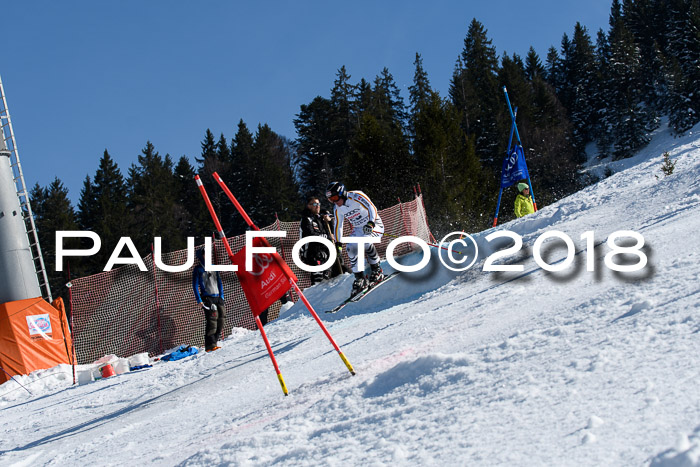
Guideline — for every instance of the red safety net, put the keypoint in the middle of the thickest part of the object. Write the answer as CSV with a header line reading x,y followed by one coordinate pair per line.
x,y
127,311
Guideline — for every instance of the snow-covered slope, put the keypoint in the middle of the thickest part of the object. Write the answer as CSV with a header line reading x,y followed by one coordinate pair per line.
x,y
524,368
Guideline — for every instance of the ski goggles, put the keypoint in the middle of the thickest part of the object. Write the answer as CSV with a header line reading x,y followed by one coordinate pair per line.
x,y
333,198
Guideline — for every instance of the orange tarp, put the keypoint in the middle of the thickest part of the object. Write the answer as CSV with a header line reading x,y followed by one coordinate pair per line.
x,y
32,336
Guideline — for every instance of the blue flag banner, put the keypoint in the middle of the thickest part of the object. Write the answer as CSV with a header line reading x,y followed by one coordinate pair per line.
x,y
514,167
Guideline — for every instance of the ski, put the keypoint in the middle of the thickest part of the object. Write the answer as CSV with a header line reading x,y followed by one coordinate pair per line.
x,y
359,296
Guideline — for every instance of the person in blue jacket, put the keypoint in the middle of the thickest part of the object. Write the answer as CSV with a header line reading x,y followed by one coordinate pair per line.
x,y
209,293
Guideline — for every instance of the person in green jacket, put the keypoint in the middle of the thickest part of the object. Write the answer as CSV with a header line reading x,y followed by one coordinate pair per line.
x,y
523,202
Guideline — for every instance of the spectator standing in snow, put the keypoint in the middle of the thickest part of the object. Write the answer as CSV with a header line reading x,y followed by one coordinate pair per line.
x,y
358,209
313,223
523,202
209,293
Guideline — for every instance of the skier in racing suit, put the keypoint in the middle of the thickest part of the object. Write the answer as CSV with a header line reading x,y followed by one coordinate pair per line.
x,y
357,208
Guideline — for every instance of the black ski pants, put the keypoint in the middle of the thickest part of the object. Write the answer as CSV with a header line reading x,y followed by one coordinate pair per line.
x,y
215,317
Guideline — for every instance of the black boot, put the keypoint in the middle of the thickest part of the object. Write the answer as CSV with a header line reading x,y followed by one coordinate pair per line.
x,y
377,274
360,283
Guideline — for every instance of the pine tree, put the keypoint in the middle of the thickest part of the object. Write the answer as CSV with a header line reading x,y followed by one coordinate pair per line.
x,y
603,130
647,21
363,99
151,201
550,154
102,209
420,91
212,161
191,215
680,105
564,82
53,211
272,179
387,104
682,71
474,91
533,65
109,194
87,217
553,68
381,149
241,182
630,119
582,68
325,129
342,126
615,17
223,152
513,76
314,147
375,167
420,95
450,171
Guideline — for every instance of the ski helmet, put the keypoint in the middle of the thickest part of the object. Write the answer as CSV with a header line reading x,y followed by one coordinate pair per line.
x,y
335,189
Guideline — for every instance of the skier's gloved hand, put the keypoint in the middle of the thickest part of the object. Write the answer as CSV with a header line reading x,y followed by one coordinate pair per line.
x,y
368,228
339,246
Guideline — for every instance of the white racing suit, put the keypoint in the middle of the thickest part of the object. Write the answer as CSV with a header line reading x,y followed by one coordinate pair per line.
x,y
358,210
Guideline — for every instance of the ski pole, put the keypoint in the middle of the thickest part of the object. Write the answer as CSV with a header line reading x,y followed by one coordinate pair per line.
x,y
13,379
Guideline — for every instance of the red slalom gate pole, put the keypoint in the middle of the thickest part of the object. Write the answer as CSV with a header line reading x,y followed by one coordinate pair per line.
x,y
213,215
215,218
323,328
272,355
296,287
234,201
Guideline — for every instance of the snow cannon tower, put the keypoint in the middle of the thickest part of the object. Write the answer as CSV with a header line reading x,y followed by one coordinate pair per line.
x,y
17,273
33,334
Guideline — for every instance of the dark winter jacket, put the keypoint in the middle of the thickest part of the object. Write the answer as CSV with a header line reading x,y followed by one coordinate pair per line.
x,y
313,225
205,283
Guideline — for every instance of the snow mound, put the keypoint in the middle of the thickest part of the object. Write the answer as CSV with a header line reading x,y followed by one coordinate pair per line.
x,y
685,454
38,382
420,377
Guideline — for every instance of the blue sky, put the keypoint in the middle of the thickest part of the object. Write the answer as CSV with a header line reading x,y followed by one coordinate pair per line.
x,y
85,76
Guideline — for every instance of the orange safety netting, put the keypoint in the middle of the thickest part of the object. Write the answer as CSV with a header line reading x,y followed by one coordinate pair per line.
x,y
127,311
